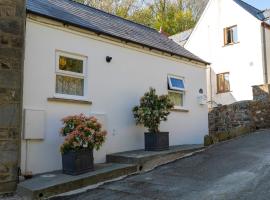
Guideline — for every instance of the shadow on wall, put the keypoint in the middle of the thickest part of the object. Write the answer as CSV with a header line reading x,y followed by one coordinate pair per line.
x,y
261,92
216,99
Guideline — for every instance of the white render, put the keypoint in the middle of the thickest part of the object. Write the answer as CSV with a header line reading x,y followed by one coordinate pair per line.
x,y
243,60
114,89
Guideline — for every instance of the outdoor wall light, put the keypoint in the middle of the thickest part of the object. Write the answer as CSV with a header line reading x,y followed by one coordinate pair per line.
x,y
108,59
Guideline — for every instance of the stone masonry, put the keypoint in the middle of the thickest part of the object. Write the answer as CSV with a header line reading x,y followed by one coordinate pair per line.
x,y
261,92
12,23
228,117
242,117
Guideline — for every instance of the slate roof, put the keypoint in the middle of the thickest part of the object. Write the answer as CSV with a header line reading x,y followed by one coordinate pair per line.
x,y
252,10
98,21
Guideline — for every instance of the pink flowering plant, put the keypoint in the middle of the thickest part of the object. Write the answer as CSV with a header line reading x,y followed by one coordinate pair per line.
x,y
82,132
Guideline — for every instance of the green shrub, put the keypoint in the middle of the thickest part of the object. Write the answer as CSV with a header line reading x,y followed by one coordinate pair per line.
x,y
223,136
208,140
152,110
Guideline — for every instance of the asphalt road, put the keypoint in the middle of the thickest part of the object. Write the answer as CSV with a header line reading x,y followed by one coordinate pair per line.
x,y
235,170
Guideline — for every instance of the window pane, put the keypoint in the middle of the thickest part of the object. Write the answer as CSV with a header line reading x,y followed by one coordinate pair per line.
x,y
69,85
223,82
226,82
177,83
176,98
70,64
235,34
229,36
220,82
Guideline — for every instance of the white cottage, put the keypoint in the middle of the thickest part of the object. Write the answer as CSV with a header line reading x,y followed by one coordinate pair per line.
x,y
235,38
111,64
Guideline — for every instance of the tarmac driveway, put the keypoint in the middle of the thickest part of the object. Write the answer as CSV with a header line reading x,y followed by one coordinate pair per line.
x,y
239,169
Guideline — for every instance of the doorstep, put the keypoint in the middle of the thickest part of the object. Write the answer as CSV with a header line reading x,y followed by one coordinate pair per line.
x,y
148,160
55,183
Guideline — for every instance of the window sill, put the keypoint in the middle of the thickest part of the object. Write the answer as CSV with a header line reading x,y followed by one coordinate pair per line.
x,y
231,44
224,92
180,110
63,100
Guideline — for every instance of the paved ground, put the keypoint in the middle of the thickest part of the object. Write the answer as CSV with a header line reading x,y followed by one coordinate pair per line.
x,y
236,170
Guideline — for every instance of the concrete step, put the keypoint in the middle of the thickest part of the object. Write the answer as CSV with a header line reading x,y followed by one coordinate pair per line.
x,y
148,160
54,183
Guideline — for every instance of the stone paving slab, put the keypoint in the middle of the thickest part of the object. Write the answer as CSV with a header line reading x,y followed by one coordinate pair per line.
x,y
148,160
141,153
46,185
11,197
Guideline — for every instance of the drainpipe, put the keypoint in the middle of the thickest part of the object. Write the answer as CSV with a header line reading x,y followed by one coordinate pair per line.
x,y
211,89
264,53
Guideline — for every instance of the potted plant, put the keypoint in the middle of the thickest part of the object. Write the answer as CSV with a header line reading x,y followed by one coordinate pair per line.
x,y
83,134
152,110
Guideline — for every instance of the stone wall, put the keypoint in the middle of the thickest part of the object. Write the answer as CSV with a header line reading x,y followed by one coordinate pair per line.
x,y
229,117
261,92
240,118
12,22
260,113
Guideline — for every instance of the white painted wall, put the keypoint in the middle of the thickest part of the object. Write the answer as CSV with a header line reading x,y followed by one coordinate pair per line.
x,y
243,60
114,89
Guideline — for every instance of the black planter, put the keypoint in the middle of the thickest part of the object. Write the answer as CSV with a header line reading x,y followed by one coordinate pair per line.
x,y
78,162
156,141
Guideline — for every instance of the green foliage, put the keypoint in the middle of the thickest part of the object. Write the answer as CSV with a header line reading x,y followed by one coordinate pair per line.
x,y
208,140
121,8
173,16
143,16
152,110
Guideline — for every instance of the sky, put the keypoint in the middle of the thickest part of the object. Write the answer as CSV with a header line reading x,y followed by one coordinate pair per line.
x,y
260,4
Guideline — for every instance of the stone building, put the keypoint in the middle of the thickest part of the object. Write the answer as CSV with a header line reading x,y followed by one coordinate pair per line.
x,y
12,21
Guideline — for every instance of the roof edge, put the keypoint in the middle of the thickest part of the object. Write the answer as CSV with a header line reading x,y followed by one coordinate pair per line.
x,y
258,11
199,21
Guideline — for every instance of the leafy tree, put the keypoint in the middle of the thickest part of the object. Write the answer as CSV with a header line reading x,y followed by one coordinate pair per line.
x,y
143,16
173,16
122,8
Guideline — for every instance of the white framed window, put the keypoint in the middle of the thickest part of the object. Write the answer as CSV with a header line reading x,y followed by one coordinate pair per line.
x,y
71,76
176,90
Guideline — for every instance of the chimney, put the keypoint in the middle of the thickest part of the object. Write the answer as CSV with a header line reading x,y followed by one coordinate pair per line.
x,y
162,32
